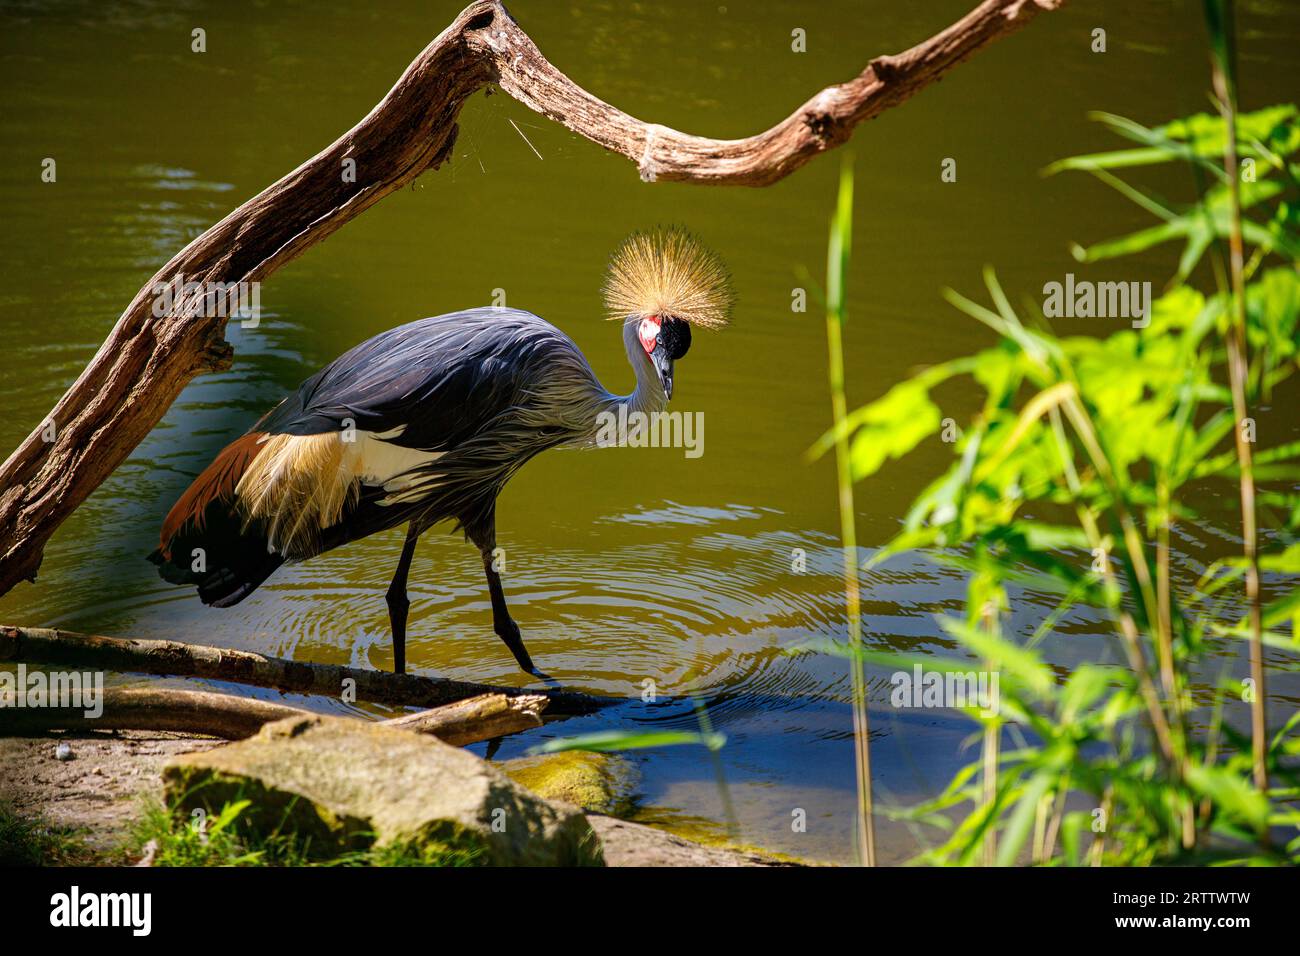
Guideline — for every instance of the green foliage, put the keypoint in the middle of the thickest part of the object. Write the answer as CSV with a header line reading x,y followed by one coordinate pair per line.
x,y
28,842
178,842
1269,140
173,840
1085,452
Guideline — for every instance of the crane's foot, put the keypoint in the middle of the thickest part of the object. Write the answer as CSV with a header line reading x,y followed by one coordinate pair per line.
x,y
546,679
541,675
508,631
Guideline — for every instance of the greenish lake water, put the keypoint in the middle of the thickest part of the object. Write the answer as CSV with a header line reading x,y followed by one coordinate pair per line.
x,y
623,565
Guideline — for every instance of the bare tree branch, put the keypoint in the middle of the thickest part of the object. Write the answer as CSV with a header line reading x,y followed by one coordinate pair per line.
x,y
822,123
479,718
148,359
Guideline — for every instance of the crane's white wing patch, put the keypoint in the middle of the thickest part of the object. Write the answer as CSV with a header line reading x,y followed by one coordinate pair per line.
x,y
300,484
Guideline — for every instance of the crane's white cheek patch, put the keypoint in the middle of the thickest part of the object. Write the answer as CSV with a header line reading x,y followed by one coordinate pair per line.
x,y
648,333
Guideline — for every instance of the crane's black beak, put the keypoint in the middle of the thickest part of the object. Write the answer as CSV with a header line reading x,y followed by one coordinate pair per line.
x,y
664,366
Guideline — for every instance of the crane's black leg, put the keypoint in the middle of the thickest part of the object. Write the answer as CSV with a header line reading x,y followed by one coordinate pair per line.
x,y
483,532
502,622
398,603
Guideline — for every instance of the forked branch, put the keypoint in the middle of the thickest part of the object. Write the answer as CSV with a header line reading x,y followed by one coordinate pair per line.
x,y
148,359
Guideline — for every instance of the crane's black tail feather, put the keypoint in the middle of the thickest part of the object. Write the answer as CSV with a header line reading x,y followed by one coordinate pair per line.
x,y
225,561
204,540
227,581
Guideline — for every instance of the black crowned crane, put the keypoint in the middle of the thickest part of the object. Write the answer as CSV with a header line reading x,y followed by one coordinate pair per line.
x,y
427,422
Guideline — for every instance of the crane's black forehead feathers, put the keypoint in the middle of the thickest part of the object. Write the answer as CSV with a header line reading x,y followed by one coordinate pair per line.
x,y
675,336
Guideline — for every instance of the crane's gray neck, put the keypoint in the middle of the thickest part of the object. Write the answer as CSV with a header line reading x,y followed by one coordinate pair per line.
x,y
648,396
591,413
577,402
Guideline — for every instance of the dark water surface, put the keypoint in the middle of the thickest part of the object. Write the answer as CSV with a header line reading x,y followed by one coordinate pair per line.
x,y
622,565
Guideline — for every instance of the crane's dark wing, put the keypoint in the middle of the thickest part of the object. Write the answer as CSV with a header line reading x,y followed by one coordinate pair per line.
x,y
431,384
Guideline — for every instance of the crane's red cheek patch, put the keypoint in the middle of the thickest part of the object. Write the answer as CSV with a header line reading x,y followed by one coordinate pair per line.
x,y
648,332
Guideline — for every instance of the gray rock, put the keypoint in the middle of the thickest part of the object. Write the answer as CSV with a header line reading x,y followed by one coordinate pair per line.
x,y
346,784
632,844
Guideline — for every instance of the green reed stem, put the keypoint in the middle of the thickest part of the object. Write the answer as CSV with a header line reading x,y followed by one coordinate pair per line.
x,y
837,261
724,792
1219,15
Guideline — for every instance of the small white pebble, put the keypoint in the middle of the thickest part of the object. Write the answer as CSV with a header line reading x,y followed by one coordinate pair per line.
x,y
63,751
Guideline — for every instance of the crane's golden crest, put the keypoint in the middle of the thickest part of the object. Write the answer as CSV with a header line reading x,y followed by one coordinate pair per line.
x,y
668,272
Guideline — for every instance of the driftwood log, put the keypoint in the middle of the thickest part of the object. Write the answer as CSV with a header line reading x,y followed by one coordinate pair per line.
x,y
38,645
153,708
147,360
479,718
235,718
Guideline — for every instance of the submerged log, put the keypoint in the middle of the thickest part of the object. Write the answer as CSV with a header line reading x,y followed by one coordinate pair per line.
x,y
236,718
39,645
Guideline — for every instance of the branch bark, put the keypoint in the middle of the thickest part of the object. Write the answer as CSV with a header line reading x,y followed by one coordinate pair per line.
x,y
153,708
38,645
479,718
148,359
